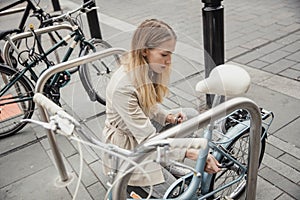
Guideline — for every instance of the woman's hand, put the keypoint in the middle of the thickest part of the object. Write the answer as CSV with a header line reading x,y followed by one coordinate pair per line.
x,y
212,165
176,119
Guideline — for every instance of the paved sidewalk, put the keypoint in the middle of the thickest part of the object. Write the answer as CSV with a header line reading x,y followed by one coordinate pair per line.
x,y
261,36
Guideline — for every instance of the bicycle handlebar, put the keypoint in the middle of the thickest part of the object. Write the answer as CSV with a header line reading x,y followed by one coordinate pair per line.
x,y
60,18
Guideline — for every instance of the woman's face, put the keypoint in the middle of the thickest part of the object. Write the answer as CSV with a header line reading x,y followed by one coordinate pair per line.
x,y
160,58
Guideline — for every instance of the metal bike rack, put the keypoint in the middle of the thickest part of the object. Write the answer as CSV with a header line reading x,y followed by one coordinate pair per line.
x,y
39,89
27,34
202,120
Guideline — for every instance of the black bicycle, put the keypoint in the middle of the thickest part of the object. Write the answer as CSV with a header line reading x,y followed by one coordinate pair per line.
x,y
16,86
31,10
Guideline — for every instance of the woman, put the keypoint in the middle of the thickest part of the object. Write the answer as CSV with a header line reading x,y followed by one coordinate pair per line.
x,y
133,96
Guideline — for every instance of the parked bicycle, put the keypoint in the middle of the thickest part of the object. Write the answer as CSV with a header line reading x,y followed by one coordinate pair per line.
x,y
31,12
239,145
16,87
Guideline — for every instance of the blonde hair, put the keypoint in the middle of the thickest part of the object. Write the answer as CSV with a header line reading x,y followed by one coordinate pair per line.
x,y
149,34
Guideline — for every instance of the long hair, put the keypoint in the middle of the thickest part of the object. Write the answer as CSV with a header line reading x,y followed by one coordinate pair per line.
x,y
149,34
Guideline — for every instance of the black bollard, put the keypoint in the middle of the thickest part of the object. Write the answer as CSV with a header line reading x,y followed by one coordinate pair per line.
x,y
213,37
56,5
93,22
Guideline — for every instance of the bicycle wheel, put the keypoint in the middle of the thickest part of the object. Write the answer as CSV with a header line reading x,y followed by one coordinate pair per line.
x,y
96,75
16,103
238,149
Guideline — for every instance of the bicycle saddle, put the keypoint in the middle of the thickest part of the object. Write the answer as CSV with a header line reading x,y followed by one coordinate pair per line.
x,y
226,79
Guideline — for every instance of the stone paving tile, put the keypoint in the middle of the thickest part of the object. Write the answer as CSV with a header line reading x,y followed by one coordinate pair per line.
x,y
270,47
291,28
90,155
285,196
88,178
292,47
276,102
82,191
96,126
266,191
11,169
38,130
295,56
283,85
287,134
45,144
257,76
253,43
96,191
17,140
275,56
235,43
73,180
294,74
234,52
97,169
39,185
284,146
257,64
289,39
281,168
290,160
251,56
231,36
273,151
296,67
281,182
68,149
279,66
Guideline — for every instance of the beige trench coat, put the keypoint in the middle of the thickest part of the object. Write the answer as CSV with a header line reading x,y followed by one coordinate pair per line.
x,y
127,126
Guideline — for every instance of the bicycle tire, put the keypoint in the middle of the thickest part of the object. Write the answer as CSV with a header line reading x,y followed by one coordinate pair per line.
x,y
12,113
238,148
96,75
